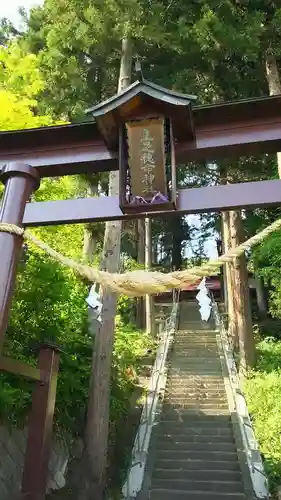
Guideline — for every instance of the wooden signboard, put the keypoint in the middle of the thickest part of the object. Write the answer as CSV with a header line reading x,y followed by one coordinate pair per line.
x,y
147,157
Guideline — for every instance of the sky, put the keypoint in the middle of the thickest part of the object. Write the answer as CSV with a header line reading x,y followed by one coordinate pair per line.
x,y
9,8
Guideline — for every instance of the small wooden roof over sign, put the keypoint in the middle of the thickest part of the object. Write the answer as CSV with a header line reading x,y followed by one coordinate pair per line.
x,y
144,99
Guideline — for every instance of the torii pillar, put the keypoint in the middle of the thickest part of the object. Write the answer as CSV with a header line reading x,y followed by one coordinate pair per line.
x,y
20,181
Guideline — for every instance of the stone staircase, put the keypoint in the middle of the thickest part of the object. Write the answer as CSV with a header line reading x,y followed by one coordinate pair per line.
x,y
193,453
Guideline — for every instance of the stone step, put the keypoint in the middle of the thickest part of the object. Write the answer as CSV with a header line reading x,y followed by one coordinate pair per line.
x,y
199,357
187,394
228,456
197,334
165,494
177,404
184,361
176,445
195,431
196,379
198,475
200,362
190,438
194,328
193,323
196,391
197,465
204,348
189,346
199,394
194,418
193,485
189,370
194,401
200,387
195,366
193,381
195,341
194,354
193,414
190,328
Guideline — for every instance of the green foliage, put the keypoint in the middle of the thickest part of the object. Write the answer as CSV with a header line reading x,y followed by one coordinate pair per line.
x,y
267,260
18,113
79,44
130,347
270,327
19,72
68,238
50,305
126,308
263,393
20,84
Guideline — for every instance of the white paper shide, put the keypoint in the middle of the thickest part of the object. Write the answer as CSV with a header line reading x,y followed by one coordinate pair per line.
x,y
93,301
204,300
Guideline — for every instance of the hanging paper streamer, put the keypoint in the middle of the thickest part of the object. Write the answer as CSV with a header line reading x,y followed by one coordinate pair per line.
x,y
93,301
204,300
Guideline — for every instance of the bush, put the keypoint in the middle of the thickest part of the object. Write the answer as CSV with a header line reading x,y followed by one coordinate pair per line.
x,y
49,305
270,327
263,393
127,309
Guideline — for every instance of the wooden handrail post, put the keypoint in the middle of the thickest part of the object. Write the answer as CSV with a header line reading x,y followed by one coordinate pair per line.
x,y
40,424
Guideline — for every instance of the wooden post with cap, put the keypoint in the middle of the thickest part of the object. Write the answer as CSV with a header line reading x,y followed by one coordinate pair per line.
x,y
40,424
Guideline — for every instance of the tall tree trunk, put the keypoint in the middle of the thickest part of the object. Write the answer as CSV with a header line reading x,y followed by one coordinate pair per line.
x,y
176,230
149,301
261,296
141,261
155,253
242,298
90,240
272,74
89,245
274,86
229,277
225,269
97,425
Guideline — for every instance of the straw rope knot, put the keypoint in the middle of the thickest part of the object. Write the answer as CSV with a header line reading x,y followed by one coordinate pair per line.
x,y
11,228
138,283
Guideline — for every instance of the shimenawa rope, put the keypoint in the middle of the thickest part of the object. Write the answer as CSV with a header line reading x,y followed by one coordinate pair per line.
x,y
138,283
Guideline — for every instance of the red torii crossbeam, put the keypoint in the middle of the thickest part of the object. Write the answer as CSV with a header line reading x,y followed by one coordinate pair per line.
x,y
222,130
195,200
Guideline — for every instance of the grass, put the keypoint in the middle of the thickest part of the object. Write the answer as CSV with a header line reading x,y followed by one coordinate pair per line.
x,y
263,394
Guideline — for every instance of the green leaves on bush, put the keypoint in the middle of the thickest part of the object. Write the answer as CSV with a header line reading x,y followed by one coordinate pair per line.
x,y
263,393
49,305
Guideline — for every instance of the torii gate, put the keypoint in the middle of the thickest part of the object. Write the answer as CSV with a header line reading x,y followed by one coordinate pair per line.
x,y
122,136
